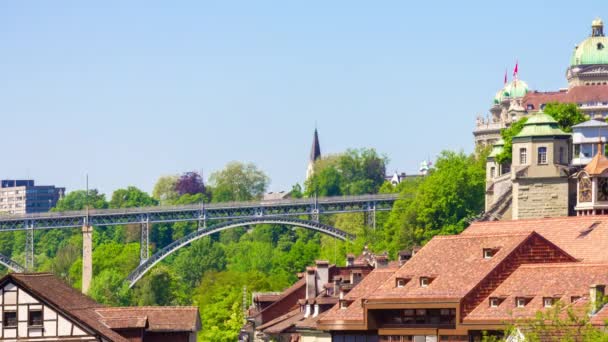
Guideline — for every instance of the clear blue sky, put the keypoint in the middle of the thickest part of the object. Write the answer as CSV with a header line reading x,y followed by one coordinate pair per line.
x,y
131,90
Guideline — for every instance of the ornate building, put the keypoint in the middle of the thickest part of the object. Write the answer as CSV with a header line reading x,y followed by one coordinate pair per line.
x,y
587,77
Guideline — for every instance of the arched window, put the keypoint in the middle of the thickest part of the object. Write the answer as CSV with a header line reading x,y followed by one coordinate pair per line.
x,y
542,155
523,156
602,189
584,190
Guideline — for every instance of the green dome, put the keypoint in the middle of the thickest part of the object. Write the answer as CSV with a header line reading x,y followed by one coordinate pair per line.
x,y
515,88
593,50
497,148
539,125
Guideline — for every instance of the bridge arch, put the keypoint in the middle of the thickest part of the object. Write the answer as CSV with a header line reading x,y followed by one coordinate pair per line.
x,y
145,266
11,264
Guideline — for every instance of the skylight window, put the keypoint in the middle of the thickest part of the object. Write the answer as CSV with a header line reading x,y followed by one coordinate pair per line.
x,y
488,253
425,281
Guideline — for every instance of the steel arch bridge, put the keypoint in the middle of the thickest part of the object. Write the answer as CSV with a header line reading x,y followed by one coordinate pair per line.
x,y
146,265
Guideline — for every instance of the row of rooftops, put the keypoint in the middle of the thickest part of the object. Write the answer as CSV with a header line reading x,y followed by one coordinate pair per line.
x,y
110,323
492,273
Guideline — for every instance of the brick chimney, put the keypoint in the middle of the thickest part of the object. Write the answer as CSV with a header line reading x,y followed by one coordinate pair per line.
x,y
350,260
404,256
596,297
311,283
322,273
381,261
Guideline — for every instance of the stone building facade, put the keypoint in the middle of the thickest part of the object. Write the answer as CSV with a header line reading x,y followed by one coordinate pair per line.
x,y
587,76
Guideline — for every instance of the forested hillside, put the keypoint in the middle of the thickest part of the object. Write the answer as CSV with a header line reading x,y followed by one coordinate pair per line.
x,y
213,271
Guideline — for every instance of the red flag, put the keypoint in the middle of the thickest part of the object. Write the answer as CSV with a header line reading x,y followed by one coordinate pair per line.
x,y
505,76
516,69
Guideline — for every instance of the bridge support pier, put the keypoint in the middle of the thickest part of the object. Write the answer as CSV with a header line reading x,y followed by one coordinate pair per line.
x,y
29,248
87,257
144,244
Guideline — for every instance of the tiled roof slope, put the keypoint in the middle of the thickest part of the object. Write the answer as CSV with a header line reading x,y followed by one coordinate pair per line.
x,y
455,264
535,282
286,302
580,94
282,322
368,285
66,299
158,318
583,237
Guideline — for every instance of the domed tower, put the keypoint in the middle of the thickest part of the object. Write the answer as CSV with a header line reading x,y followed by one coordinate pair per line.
x,y
589,61
540,158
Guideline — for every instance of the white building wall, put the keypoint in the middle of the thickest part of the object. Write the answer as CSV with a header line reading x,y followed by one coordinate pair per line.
x,y
55,327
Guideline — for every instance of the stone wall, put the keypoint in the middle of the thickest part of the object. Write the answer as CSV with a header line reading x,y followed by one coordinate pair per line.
x,y
540,197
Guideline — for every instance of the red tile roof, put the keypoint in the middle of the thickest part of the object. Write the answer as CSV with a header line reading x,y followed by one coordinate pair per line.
x,y
282,323
369,284
455,265
560,281
65,299
580,94
158,318
584,237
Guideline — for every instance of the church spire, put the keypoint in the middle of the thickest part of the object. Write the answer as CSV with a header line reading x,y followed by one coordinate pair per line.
x,y
315,150
315,153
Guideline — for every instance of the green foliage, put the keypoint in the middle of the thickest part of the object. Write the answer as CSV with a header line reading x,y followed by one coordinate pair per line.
x,y
507,136
77,200
164,189
441,203
355,172
560,322
131,197
220,297
238,182
566,114
202,256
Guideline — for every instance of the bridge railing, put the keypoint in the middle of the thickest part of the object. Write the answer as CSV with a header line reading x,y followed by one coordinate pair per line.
x,y
208,206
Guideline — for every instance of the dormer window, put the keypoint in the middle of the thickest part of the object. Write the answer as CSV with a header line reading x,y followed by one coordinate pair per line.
x,y
548,302
488,253
425,281
520,302
343,304
400,282
574,298
494,302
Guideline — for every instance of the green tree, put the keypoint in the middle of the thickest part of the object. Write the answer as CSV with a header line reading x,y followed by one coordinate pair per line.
x,y
355,172
77,200
238,182
201,256
131,197
566,114
442,203
164,189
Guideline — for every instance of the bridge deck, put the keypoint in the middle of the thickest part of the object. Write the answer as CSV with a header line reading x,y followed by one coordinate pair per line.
x,y
199,212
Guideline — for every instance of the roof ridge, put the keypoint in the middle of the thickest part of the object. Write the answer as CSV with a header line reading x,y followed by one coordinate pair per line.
x,y
477,235
566,264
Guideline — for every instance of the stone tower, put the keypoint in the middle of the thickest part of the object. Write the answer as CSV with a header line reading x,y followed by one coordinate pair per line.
x,y
539,167
315,153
